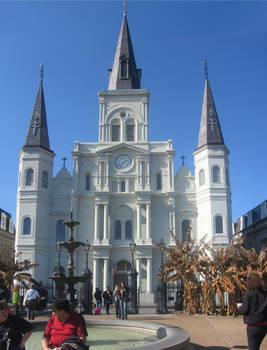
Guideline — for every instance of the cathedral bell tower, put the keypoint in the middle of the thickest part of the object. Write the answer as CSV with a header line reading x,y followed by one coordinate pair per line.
x,y
34,189
123,110
213,193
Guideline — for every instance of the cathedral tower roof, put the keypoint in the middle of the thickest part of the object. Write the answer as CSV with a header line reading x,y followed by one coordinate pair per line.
x,y
37,135
210,131
124,74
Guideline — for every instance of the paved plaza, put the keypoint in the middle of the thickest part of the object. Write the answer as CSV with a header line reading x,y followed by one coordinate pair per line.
x,y
206,332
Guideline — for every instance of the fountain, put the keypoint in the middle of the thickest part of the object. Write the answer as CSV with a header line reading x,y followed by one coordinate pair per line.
x,y
70,279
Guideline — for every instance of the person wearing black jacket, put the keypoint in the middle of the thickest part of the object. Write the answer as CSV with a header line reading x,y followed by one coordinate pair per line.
x,y
108,298
14,330
253,298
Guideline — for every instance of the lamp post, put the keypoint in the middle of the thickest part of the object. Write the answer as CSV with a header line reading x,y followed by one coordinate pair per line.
x,y
132,283
58,286
87,285
162,287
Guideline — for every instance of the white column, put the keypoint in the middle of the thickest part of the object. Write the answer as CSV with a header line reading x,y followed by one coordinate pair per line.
x,y
138,269
138,214
148,212
95,274
106,275
149,275
105,221
96,222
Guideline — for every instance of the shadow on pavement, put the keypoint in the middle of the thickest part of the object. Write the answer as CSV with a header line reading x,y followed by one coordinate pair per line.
x,y
200,347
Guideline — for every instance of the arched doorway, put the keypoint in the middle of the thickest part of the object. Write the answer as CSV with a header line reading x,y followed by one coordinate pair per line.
x,y
122,269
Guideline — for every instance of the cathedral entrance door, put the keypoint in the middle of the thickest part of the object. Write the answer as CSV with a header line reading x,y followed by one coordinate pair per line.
x,y
118,277
122,269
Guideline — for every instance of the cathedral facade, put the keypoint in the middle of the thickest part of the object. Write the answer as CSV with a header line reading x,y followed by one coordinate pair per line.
x,y
123,188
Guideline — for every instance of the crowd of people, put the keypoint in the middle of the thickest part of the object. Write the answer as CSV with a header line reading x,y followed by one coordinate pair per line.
x,y
119,297
66,329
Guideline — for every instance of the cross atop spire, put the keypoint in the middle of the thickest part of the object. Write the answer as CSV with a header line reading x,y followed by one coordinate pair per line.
x,y
206,69
124,7
64,162
42,71
124,74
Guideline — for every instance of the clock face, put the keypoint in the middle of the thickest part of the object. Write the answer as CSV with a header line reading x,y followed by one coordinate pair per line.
x,y
122,162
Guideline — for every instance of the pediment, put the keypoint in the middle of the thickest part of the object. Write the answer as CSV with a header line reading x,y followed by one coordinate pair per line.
x,y
120,146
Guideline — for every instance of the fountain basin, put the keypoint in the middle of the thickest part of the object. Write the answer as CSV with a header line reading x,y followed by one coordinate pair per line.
x,y
169,337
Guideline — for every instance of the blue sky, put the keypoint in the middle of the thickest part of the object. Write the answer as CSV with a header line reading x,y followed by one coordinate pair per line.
x,y
77,41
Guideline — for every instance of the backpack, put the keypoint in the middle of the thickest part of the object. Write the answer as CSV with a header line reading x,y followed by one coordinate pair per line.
x,y
260,315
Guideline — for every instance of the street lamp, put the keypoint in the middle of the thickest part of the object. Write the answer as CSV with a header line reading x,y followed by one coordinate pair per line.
x,y
132,249
162,286
58,248
58,286
132,283
86,292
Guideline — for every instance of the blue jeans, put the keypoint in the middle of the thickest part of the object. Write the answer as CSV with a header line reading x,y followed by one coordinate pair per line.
x,y
123,308
98,303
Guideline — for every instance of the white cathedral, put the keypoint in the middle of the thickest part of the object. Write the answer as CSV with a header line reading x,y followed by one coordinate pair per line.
x,y
123,188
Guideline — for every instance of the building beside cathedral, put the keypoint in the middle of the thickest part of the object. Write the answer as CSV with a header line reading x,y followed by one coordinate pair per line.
x,y
123,187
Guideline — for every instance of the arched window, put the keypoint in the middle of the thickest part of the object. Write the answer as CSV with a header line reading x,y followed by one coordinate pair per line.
x,y
117,229
45,179
29,177
122,186
219,224
185,229
202,177
27,222
159,182
130,132
60,234
128,229
115,132
216,175
87,182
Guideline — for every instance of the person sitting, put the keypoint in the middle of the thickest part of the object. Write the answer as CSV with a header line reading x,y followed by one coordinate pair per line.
x,y
63,323
14,330
31,301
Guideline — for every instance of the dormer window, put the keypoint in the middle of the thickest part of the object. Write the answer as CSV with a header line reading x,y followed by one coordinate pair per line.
x,y
124,67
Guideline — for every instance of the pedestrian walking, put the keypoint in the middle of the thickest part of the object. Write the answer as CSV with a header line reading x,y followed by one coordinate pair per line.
x,y
31,301
98,301
116,298
16,299
254,310
108,298
124,298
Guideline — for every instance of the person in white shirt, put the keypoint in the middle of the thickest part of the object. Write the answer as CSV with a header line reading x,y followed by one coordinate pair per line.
x,y
30,302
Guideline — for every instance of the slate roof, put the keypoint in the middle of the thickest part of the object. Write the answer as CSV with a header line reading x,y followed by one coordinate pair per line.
x,y
210,131
124,49
37,135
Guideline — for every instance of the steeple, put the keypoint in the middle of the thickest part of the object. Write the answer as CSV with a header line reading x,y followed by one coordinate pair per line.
x,y
37,135
124,74
210,131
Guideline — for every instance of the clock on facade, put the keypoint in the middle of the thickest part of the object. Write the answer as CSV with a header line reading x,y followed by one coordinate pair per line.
x,y
122,162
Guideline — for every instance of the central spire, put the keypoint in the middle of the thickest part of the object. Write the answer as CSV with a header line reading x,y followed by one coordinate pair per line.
x,y
124,74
